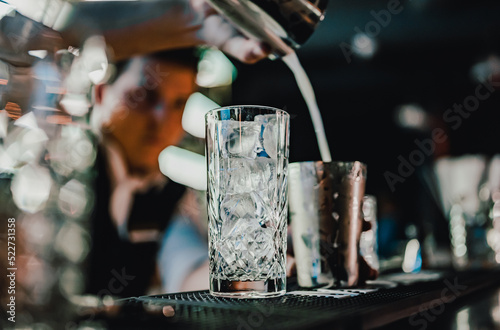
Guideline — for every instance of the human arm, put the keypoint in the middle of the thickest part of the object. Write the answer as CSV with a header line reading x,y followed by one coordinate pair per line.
x,y
138,27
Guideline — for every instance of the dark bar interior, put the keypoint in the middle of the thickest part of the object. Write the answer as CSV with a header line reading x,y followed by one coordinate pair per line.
x,y
122,206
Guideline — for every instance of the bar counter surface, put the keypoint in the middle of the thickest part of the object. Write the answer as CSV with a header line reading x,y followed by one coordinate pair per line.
x,y
430,299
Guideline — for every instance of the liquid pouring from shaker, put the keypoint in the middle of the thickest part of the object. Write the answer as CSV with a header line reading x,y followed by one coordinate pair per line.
x,y
284,26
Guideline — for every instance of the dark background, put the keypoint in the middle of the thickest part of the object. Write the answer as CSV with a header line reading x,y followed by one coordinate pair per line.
x,y
424,56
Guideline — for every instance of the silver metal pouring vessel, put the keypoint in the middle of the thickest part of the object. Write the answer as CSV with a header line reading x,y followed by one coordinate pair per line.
x,y
284,25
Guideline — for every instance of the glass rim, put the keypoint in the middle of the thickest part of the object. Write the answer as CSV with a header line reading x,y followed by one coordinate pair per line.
x,y
263,107
348,168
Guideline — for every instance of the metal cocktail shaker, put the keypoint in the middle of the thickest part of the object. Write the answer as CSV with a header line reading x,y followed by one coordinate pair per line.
x,y
284,25
326,202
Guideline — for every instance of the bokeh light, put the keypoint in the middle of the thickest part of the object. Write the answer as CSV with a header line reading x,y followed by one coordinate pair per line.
x,y
72,242
39,231
215,69
72,281
363,45
411,116
184,167
74,151
31,188
193,118
73,198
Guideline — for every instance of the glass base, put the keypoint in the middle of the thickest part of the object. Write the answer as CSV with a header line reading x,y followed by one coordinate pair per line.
x,y
248,289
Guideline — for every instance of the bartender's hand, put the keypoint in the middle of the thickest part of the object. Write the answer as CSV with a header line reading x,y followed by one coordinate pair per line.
x,y
218,32
140,27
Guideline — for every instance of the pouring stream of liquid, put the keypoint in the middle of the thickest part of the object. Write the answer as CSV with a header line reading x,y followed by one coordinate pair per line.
x,y
305,87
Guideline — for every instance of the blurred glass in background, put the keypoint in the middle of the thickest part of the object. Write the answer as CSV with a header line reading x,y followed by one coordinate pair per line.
x,y
47,152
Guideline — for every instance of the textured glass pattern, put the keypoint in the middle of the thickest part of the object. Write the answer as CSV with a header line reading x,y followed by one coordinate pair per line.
x,y
247,160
